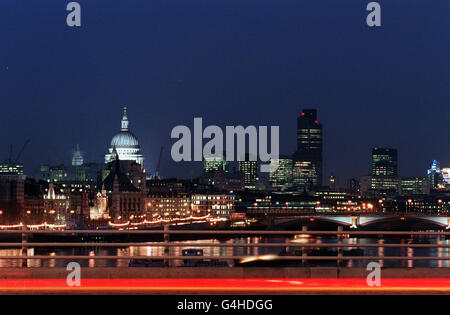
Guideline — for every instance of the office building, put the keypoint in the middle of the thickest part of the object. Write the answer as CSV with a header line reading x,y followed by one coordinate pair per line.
x,y
216,205
215,163
384,162
281,178
384,174
308,157
304,175
414,186
168,205
249,167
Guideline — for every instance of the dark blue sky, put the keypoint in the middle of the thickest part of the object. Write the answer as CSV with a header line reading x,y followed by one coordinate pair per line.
x,y
231,62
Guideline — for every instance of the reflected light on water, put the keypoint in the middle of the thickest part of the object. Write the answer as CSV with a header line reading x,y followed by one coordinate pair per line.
x,y
220,251
10,262
91,261
381,252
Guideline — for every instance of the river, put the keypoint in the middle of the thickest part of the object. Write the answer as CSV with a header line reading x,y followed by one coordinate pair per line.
x,y
241,251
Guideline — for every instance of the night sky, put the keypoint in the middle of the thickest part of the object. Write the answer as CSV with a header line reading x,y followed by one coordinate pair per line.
x,y
232,62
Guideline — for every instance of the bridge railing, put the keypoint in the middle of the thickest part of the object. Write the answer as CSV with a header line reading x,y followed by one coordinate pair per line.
x,y
166,243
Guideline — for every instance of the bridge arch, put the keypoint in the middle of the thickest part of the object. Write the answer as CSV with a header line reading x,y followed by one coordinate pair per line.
x,y
435,220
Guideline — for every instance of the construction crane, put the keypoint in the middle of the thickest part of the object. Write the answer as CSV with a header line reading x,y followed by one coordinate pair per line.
x,y
21,151
10,160
159,163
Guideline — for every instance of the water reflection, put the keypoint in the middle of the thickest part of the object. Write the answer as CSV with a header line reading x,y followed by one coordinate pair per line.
x,y
150,251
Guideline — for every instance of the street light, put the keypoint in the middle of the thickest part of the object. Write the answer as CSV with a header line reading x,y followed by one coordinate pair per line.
x,y
409,205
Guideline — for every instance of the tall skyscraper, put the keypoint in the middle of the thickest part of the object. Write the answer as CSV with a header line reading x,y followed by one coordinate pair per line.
x,y
249,167
308,157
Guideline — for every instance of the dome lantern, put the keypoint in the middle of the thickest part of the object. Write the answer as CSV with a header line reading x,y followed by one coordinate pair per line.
x,y
125,123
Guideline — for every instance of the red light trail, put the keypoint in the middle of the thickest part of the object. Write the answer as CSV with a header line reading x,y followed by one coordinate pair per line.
x,y
227,285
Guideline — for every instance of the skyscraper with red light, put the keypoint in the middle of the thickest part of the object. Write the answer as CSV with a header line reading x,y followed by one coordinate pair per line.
x,y
309,151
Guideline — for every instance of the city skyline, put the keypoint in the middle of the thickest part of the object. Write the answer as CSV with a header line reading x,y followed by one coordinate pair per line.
x,y
198,165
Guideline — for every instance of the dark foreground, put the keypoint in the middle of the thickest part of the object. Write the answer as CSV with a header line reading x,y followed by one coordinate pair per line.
x,y
240,281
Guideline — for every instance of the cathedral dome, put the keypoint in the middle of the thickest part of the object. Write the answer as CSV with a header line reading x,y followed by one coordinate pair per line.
x,y
125,145
124,139
77,158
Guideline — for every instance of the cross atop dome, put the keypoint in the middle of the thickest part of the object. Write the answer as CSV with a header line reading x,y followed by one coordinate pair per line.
x,y
125,123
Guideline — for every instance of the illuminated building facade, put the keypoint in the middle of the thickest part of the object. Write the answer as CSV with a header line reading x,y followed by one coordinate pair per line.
x,y
12,169
309,151
125,202
384,162
216,205
384,183
304,175
99,209
56,205
63,204
446,175
373,185
384,174
414,186
281,178
434,175
168,205
425,205
215,163
249,167
125,144
56,173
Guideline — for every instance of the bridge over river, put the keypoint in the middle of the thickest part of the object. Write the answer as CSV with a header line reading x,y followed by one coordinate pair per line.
x,y
356,221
